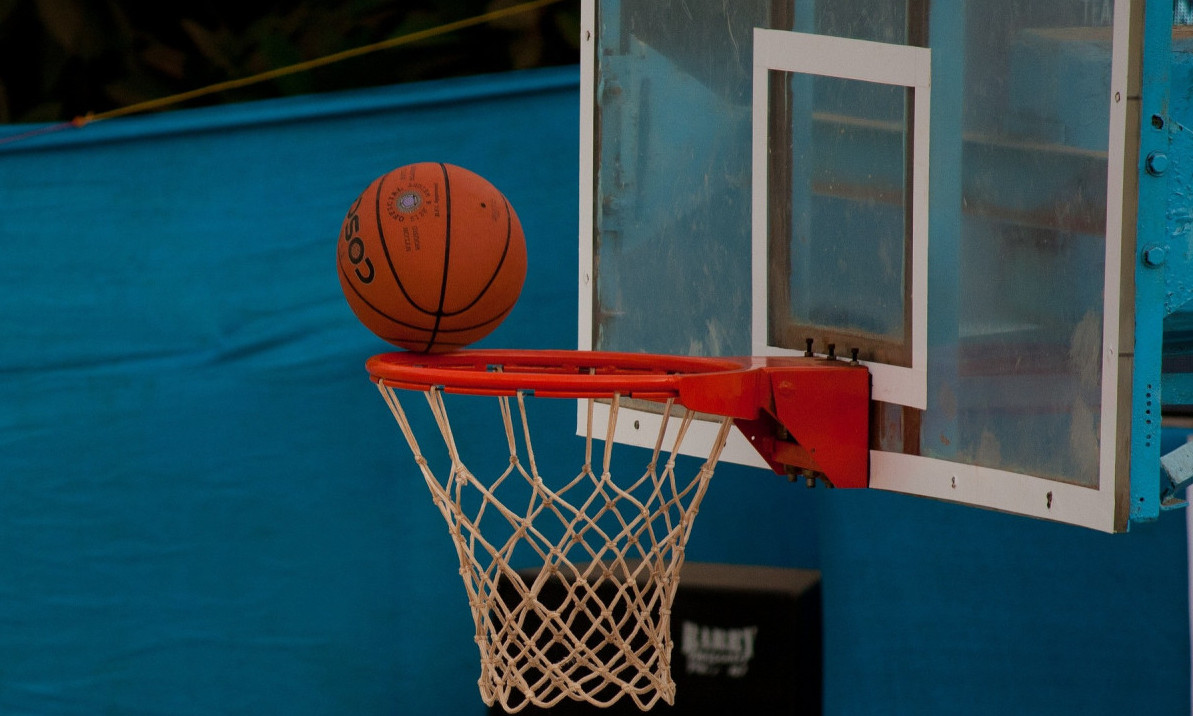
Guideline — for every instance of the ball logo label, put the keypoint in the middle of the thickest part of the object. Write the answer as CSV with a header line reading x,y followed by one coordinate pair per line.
x,y
408,201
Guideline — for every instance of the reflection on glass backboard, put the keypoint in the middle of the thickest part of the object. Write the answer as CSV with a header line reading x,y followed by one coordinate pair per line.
x,y
939,187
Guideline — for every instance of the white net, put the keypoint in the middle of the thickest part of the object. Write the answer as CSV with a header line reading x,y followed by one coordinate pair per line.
x,y
591,620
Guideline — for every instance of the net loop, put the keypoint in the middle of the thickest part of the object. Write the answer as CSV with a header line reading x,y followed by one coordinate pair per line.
x,y
591,621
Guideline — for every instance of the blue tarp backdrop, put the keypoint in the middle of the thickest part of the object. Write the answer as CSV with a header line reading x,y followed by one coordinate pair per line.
x,y
205,507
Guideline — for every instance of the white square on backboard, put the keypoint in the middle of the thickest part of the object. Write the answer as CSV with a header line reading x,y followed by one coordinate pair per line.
x,y
864,61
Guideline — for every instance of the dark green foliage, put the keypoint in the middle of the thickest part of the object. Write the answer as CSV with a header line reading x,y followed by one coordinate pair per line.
x,y
60,59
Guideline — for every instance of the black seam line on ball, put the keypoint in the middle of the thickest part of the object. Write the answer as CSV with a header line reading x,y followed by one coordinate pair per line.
x,y
447,251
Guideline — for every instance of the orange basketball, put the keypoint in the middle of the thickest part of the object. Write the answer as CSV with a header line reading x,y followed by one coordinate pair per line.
x,y
431,257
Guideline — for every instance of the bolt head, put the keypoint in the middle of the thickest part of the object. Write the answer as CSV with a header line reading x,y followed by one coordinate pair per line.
x,y
1155,256
1157,163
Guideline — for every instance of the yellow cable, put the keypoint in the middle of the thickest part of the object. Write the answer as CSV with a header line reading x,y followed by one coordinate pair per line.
x,y
311,64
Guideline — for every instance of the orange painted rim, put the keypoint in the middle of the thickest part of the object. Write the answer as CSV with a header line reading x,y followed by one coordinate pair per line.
x,y
546,373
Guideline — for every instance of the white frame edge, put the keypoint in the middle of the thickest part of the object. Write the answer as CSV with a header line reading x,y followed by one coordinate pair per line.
x,y
587,276
865,61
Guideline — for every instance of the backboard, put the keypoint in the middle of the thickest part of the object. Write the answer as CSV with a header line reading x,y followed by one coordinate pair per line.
x,y
950,189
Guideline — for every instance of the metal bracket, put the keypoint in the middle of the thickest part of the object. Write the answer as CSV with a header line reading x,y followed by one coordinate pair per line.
x,y
806,417
825,411
1177,470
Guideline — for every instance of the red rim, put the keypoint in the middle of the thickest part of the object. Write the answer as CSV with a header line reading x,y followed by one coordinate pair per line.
x,y
571,374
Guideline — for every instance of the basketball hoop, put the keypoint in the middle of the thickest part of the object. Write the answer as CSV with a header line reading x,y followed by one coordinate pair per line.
x,y
614,541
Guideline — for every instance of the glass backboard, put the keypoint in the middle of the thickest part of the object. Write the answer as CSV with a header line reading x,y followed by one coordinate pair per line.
x,y
945,188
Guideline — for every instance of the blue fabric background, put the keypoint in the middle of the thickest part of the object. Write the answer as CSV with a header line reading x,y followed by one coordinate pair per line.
x,y
206,508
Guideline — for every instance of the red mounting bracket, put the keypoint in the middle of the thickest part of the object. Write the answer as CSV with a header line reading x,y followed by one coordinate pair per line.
x,y
806,416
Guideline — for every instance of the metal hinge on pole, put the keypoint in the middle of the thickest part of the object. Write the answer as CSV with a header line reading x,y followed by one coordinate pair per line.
x,y
1177,470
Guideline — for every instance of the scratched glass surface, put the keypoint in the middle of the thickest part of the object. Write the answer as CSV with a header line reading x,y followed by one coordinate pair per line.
x,y
1018,207
672,211
839,236
1016,282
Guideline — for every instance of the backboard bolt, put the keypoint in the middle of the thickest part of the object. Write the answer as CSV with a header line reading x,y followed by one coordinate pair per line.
x,y
1157,163
1155,256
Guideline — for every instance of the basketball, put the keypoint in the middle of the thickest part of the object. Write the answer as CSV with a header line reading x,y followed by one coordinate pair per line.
x,y
431,257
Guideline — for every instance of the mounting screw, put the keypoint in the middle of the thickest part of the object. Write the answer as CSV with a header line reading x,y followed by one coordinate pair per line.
x,y
808,352
853,352
1157,163
832,351
1155,256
